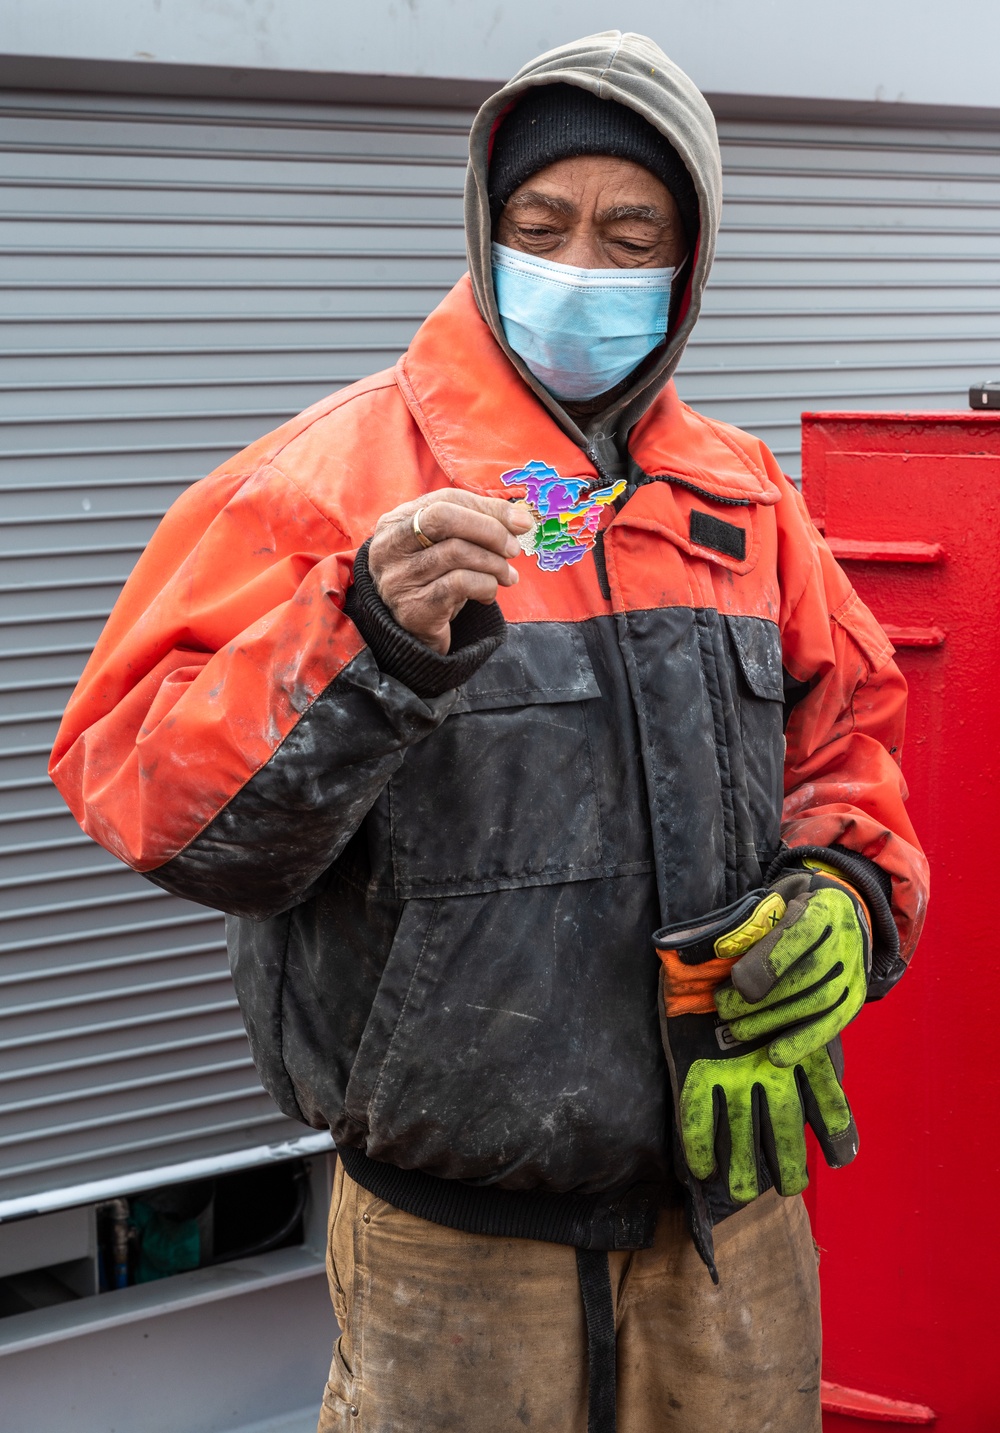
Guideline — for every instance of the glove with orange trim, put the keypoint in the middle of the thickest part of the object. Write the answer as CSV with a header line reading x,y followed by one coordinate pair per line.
x,y
807,976
745,1085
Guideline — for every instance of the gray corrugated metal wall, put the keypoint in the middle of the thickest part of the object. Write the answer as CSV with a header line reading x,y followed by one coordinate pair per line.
x,y
178,277
858,268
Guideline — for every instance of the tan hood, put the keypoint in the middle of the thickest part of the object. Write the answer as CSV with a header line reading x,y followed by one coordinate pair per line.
x,y
633,71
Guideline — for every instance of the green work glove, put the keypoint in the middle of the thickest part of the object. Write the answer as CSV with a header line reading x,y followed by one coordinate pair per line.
x,y
807,976
737,1112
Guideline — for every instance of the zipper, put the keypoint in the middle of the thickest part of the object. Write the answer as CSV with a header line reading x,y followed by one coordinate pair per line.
x,y
700,492
647,478
600,561
601,564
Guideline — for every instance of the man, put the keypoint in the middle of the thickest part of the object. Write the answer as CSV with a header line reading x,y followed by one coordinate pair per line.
x,y
450,760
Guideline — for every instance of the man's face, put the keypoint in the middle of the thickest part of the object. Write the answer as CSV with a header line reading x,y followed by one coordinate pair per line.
x,y
596,213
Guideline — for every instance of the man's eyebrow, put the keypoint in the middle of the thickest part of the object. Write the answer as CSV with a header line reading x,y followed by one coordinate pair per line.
x,y
649,212
547,201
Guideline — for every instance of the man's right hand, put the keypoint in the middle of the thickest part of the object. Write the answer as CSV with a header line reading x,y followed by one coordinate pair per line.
x,y
470,539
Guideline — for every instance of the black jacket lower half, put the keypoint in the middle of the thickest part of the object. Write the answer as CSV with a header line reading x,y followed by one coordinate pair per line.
x,y
469,990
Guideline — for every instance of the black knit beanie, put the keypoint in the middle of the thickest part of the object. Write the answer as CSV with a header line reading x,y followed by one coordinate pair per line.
x,y
557,121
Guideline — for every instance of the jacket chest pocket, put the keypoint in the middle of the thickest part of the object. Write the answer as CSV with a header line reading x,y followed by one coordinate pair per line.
x,y
503,793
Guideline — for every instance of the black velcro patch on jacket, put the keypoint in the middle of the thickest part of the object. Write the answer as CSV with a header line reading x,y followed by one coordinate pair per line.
x,y
708,531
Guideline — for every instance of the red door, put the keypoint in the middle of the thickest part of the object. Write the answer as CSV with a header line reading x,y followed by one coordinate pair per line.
x,y
910,1269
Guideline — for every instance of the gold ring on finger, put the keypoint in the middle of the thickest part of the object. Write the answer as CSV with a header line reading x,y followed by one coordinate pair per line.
x,y
418,531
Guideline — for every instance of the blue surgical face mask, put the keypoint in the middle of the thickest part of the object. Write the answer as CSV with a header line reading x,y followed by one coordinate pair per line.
x,y
579,331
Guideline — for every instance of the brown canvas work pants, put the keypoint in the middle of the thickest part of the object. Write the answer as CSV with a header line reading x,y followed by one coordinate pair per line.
x,y
445,1332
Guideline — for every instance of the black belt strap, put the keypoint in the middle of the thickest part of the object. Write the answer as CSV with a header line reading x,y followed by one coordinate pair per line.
x,y
599,1311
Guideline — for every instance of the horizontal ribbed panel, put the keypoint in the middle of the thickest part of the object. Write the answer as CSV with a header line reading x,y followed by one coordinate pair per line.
x,y
178,277
857,268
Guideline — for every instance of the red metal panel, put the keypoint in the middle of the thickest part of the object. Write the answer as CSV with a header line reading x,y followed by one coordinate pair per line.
x,y
911,1259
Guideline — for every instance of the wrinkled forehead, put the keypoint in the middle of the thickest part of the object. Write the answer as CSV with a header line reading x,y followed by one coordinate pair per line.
x,y
607,191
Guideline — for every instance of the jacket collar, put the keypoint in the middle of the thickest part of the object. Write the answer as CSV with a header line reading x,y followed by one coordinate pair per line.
x,y
480,419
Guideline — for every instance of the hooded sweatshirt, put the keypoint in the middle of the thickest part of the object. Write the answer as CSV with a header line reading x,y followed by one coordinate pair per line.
x,y
631,70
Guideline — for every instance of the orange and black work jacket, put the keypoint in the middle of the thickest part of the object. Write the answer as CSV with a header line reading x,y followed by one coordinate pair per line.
x,y
441,904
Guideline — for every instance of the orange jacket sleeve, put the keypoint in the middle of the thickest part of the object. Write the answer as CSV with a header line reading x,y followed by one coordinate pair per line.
x,y
844,737
231,700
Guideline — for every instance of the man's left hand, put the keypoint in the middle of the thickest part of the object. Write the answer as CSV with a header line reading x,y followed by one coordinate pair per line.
x,y
808,976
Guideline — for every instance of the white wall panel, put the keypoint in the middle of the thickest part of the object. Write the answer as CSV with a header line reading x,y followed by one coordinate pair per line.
x,y
909,51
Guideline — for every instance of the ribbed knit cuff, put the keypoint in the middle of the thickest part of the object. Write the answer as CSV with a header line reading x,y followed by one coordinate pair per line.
x,y
874,886
476,633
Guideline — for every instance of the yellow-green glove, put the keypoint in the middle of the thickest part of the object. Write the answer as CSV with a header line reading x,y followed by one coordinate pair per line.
x,y
738,1113
807,977
739,1110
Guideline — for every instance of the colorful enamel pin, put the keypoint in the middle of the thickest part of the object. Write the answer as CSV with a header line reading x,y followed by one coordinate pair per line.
x,y
565,524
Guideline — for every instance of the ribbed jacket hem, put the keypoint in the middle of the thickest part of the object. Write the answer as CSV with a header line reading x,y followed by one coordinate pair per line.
x,y
628,1221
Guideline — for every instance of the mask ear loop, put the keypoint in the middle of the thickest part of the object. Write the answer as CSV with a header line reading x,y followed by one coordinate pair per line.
x,y
679,289
675,311
686,271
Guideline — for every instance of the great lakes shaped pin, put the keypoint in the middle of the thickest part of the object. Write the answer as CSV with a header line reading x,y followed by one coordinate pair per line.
x,y
565,523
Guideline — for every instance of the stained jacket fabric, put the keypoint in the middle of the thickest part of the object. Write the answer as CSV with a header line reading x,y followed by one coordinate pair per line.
x,y
442,891
443,906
